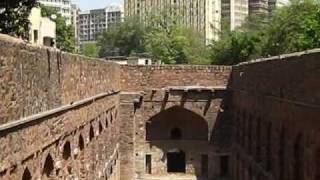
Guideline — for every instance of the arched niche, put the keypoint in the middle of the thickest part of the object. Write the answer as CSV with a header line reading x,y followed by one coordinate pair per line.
x,y
66,151
177,123
26,175
91,133
81,142
48,166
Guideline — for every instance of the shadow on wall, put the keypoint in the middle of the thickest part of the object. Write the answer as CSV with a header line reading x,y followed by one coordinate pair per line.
x,y
182,136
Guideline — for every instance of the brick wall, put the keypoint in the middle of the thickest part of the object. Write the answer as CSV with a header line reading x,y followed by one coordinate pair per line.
x,y
276,105
58,114
34,80
137,78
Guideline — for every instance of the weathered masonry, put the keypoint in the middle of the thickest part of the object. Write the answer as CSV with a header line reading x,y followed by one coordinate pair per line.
x,y
64,116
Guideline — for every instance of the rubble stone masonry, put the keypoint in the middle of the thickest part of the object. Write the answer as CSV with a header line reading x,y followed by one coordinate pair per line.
x,y
276,110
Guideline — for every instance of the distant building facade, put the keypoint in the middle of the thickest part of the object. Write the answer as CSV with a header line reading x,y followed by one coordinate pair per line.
x,y
273,4
75,11
42,29
63,6
203,16
96,21
234,12
258,6
140,59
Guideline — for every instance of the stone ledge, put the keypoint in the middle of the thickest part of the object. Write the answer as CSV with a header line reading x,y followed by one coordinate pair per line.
x,y
284,57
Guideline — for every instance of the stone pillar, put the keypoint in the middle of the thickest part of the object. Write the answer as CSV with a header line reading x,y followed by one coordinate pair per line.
x,y
127,130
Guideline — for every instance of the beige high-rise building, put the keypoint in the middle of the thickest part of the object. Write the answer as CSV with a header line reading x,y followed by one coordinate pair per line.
x,y
234,12
203,16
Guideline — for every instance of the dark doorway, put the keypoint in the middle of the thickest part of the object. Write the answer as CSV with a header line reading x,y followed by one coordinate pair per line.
x,y
224,166
204,165
148,164
176,162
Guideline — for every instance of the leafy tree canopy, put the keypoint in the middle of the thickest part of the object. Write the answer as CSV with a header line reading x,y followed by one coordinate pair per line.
x,y
174,43
14,17
292,28
90,49
161,36
122,39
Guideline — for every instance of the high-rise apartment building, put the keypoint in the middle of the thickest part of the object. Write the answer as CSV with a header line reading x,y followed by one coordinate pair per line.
x,y
63,6
203,16
75,11
234,12
93,22
258,6
273,4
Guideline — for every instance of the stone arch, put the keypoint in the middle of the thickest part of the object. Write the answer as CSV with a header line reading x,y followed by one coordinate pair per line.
x,y
268,147
317,164
66,154
191,125
111,117
48,166
258,140
298,167
91,133
100,127
26,174
116,114
243,128
81,142
281,155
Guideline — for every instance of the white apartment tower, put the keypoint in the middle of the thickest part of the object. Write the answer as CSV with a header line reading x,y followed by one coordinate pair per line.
x,y
63,6
203,16
96,21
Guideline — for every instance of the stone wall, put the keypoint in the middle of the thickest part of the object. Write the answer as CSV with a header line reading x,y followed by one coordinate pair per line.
x,y
276,105
199,107
138,78
143,97
58,114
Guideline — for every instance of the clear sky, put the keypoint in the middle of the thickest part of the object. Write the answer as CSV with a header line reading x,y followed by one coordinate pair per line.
x,y
93,4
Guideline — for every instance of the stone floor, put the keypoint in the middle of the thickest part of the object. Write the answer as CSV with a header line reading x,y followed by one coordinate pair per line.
x,y
172,177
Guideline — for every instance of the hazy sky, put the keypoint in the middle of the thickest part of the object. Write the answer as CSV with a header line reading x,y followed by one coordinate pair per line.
x,y
92,4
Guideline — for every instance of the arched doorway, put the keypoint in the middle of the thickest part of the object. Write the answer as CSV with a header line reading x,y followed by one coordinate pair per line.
x,y
176,162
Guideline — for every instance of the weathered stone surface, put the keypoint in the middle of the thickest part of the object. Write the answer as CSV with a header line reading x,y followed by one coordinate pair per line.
x,y
35,80
64,116
275,105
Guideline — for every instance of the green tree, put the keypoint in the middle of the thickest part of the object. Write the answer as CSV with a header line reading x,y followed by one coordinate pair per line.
x,y
173,43
122,39
64,33
161,36
292,28
90,49
14,17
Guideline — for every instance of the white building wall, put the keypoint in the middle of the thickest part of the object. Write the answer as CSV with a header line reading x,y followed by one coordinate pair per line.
x,y
63,6
239,11
43,28
213,20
